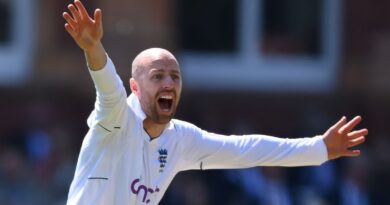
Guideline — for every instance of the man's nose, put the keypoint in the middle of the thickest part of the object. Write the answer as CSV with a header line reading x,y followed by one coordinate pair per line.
x,y
168,83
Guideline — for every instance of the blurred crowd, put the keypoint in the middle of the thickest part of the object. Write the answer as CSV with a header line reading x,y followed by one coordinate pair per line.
x,y
44,116
41,136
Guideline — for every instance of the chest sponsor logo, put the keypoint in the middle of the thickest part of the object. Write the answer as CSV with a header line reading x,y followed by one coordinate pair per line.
x,y
142,190
162,158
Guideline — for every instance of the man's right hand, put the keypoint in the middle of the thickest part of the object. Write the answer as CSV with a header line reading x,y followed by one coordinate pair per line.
x,y
87,32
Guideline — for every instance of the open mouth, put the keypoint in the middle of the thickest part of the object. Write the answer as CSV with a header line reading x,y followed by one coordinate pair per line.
x,y
165,102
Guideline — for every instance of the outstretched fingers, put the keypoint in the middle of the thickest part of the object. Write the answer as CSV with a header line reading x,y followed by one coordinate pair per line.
x,y
84,30
70,20
340,139
355,142
352,153
75,14
340,123
70,30
350,125
82,11
357,133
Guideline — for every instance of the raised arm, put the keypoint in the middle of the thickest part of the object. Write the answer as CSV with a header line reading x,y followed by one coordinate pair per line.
x,y
87,32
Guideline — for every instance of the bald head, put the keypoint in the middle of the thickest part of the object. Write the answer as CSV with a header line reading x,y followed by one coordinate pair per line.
x,y
156,81
148,58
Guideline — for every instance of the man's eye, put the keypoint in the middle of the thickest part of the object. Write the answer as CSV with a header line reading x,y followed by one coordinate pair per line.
x,y
157,76
175,77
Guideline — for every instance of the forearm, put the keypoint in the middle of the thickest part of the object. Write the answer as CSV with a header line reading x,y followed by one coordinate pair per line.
x,y
292,152
110,96
262,150
106,80
96,57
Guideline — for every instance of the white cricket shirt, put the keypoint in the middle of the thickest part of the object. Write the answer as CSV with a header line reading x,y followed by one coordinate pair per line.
x,y
119,164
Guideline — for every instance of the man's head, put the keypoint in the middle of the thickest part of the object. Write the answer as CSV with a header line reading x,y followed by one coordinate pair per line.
x,y
156,81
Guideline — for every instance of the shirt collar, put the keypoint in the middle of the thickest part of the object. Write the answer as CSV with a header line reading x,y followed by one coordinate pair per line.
x,y
134,103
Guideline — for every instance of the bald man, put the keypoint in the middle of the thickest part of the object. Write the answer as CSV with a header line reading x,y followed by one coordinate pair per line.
x,y
134,147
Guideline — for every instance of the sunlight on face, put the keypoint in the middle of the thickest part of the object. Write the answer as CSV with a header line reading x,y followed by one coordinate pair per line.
x,y
159,82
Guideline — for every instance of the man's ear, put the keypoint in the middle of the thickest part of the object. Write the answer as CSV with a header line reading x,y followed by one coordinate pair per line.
x,y
134,86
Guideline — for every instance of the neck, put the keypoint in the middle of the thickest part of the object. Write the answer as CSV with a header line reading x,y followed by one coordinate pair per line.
x,y
153,129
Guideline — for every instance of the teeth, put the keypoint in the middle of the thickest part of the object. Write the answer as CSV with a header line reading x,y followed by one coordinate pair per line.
x,y
167,97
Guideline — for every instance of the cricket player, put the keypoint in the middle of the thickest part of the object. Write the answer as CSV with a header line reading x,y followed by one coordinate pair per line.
x,y
134,147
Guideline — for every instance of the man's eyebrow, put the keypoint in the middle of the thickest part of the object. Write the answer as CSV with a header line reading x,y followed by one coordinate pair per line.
x,y
156,70
176,72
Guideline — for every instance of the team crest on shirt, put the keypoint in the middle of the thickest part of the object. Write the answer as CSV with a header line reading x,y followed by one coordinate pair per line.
x,y
162,158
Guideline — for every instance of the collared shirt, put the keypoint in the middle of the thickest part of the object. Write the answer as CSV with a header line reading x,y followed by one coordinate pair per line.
x,y
119,164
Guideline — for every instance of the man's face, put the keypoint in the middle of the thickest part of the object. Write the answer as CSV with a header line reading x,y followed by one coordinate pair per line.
x,y
159,85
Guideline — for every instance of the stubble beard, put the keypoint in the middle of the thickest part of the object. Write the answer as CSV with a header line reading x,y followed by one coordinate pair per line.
x,y
152,112
161,119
